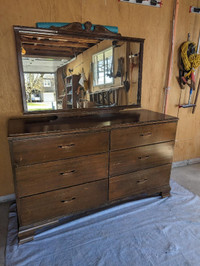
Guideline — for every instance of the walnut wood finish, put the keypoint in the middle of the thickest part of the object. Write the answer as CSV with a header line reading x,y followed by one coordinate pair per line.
x,y
137,136
63,202
138,182
134,159
40,150
64,122
67,166
34,179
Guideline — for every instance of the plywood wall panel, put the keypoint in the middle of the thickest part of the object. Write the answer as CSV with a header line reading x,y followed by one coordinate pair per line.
x,y
184,150
188,144
27,13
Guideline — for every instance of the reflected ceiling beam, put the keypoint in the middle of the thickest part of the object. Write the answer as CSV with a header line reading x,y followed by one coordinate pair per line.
x,y
55,43
45,53
61,38
50,48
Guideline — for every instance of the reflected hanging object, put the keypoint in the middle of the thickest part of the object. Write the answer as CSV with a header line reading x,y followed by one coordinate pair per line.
x,y
23,51
82,79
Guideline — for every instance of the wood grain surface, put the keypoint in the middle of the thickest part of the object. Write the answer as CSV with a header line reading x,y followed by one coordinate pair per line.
x,y
138,182
38,150
63,202
33,179
136,136
134,159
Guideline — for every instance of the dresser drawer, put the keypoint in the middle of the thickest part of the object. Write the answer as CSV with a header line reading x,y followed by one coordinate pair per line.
x,y
142,135
138,182
62,202
37,178
46,149
129,160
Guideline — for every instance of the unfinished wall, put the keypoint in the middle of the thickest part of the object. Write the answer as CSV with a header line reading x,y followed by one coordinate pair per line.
x,y
153,24
84,60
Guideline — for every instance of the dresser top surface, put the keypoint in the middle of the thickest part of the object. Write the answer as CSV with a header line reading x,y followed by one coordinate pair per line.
x,y
61,123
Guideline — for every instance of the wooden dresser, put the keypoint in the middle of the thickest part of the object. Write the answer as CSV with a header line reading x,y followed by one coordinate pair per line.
x,y
66,167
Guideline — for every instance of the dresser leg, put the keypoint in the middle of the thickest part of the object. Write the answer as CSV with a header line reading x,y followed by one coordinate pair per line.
x,y
24,236
165,193
25,240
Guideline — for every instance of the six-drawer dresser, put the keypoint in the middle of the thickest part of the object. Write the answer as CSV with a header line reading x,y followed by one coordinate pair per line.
x,y
66,167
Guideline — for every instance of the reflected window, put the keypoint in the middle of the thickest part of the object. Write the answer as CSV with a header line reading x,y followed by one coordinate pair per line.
x,y
40,91
103,67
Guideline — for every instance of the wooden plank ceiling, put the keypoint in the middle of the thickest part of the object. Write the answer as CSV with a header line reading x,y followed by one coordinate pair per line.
x,y
55,45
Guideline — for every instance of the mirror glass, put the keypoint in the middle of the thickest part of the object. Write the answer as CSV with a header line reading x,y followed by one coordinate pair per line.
x,y
72,72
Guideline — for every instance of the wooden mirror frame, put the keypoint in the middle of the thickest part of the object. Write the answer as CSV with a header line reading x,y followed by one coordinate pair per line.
x,y
73,30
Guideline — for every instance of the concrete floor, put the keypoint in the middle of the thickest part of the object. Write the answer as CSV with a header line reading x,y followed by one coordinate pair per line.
x,y
187,176
3,229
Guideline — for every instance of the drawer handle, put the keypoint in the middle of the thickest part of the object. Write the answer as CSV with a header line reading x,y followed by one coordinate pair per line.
x,y
147,134
144,157
142,181
117,163
68,172
68,146
68,201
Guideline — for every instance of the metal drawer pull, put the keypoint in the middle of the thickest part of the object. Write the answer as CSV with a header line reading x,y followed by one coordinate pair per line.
x,y
69,200
144,157
68,172
142,181
146,134
117,163
68,146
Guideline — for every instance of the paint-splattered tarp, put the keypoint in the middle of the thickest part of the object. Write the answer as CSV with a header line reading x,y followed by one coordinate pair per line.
x,y
152,231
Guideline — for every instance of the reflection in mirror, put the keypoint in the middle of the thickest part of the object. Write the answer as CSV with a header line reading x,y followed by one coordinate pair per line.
x,y
79,72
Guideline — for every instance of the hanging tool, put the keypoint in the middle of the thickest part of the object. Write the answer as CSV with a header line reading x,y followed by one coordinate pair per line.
x,y
190,61
197,93
194,9
132,64
167,89
126,83
196,98
141,1
120,67
189,101
155,2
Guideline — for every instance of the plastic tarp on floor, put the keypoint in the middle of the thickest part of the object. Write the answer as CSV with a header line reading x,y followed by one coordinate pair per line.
x,y
152,231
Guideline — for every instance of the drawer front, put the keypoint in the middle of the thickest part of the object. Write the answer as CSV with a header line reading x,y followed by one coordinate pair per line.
x,y
62,202
138,182
142,135
139,158
39,178
46,149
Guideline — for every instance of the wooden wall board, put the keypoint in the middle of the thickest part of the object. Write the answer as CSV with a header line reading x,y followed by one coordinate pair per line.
x,y
153,24
27,13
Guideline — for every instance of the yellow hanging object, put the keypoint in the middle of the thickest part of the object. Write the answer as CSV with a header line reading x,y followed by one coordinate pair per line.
x,y
23,51
192,62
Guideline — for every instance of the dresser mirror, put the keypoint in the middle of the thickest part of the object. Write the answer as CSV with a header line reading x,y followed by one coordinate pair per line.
x,y
78,67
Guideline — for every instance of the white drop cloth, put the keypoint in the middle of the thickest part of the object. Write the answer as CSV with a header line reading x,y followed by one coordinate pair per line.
x,y
152,231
